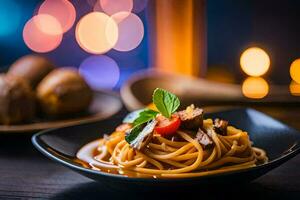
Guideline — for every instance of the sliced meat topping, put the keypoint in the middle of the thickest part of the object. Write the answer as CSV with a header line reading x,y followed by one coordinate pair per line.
x,y
220,126
203,139
138,136
191,118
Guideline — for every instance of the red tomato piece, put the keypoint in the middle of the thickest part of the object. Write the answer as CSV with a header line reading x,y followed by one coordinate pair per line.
x,y
167,126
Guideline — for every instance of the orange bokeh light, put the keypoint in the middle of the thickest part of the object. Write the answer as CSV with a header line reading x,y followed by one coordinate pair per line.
x,y
255,61
96,33
295,88
131,31
255,87
41,33
295,70
62,10
114,6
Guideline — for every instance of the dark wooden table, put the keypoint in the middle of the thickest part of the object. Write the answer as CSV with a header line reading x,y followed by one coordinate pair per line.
x,y
27,174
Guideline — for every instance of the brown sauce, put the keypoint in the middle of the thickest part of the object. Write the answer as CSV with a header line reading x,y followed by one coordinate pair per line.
x,y
86,157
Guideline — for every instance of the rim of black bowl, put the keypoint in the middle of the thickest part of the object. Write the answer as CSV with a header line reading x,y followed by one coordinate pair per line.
x,y
292,152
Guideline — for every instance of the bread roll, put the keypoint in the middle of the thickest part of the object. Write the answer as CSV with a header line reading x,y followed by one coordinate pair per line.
x,y
63,91
17,101
33,68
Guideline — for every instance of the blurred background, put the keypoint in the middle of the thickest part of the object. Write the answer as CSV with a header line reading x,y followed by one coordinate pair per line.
x,y
218,39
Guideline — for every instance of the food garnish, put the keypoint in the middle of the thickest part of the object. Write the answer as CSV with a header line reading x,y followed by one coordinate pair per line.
x,y
167,126
139,133
220,126
203,138
191,118
167,104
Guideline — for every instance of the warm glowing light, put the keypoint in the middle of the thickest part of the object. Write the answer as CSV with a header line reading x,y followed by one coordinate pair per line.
x,y
10,15
131,31
62,10
37,37
139,5
100,71
255,61
96,33
48,24
178,36
255,87
295,88
295,70
114,6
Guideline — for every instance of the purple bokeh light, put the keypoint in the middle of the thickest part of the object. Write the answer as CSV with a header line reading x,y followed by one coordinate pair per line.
x,y
100,71
131,31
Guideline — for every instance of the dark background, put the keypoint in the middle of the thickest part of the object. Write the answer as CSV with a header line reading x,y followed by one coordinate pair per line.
x,y
232,26
270,24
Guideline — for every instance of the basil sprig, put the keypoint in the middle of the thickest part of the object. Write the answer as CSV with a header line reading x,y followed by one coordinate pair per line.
x,y
132,116
139,133
166,102
144,120
145,116
140,116
140,130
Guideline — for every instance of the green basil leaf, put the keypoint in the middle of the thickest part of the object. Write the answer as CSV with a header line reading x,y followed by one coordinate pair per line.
x,y
131,117
137,134
133,133
140,116
166,102
145,116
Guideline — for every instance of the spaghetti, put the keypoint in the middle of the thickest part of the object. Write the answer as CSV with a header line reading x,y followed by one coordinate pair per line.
x,y
166,143
175,157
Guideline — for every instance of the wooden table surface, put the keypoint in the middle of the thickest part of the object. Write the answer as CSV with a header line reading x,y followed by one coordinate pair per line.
x,y
27,174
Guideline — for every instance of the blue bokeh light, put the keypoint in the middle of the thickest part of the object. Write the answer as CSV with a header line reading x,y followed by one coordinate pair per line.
x,y
101,72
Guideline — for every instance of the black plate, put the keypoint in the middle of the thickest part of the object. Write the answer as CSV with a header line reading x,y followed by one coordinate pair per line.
x,y
280,141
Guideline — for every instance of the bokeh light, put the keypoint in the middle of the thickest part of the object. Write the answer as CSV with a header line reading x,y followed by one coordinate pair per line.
x,y
255,61
139,5
37,37
295,70
295,88
96,33
114,6
47,24
100,71
131,31
10,15
62,10
255,87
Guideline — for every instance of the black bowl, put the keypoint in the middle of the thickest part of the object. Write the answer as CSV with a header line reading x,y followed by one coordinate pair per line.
x,y
280,142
